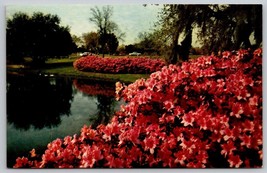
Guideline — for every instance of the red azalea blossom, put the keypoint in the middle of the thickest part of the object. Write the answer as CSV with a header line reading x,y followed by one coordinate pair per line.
x,y
228,148
188,119
237,110
151,143
90,156
168,105
195,165
248,126
253,101
188,145
165,155
227,134
202,157
226,54
21,162
114,162
258,52
246,140
180,157
123,65
234,160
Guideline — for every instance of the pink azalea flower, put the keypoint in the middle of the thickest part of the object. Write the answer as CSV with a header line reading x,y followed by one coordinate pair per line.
x,y
234,161
228,148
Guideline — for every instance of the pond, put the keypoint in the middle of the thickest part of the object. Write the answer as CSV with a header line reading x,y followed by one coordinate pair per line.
x,y
42,108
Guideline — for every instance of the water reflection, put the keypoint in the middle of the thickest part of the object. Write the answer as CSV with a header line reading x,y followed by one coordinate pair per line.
x,y
105,94
37,101
91,87
105,110
41,109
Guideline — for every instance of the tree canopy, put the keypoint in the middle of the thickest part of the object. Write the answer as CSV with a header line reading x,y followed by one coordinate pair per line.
x,y
220,27
91,41
38,36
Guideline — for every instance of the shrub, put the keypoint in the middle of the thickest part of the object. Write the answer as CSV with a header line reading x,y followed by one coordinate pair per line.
x,y
137,65
205,113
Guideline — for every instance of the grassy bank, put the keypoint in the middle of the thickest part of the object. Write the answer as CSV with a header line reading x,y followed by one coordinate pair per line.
x,y
70,71
64,68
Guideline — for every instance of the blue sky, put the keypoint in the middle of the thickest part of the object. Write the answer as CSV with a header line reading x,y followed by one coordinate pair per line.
x,y
131,19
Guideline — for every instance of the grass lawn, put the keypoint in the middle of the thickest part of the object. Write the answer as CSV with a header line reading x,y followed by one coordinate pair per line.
x,y
70,71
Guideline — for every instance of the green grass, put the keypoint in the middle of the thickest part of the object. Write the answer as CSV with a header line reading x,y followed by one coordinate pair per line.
x,y
71,72
63,60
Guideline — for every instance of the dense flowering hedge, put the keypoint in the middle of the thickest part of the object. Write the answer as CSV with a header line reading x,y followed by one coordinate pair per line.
x,y
94,88
134,65
204,113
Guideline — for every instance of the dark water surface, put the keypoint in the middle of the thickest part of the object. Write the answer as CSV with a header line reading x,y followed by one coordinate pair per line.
x,y
42,108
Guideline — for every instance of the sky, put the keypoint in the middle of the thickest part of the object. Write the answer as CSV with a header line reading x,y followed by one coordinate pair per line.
x,y
131,19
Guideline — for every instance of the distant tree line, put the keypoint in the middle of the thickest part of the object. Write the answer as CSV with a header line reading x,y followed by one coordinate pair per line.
x,y
39,37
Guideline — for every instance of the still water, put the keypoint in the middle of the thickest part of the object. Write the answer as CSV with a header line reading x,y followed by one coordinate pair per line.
x,y
41,109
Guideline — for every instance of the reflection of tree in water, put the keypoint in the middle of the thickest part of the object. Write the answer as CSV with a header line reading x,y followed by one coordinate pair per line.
x,y
105,110
37,101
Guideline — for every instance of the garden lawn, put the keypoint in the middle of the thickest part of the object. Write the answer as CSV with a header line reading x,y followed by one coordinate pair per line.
x,y
71,72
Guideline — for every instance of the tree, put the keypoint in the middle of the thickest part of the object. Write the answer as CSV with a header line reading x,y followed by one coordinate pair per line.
x,y
78,41
91,41
178,21
112,43
231,26
102,19
220,27
130,48
38,36
17,35
147,43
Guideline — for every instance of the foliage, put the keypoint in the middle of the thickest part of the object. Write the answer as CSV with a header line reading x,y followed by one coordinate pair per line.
x,y
137,65
149,43
38,36
203,113
219,27
112,43
230,27
78,41
91,42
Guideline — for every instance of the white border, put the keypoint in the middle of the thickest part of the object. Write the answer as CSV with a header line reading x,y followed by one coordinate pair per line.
x,y
3,3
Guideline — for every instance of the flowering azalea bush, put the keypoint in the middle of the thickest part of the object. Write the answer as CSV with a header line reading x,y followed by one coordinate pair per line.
x,y
204,113
118,65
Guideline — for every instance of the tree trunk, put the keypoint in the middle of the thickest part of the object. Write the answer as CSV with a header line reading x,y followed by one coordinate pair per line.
x,y
173,58
186,46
